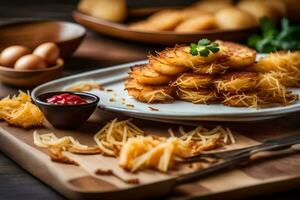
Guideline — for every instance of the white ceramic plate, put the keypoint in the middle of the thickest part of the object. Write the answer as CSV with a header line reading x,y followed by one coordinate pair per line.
x,y
113,78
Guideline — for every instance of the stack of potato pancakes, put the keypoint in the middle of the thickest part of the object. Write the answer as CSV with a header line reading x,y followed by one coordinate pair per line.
x,y
227,76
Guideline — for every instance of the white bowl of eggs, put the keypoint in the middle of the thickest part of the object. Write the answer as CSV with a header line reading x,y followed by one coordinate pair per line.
x,y
19,66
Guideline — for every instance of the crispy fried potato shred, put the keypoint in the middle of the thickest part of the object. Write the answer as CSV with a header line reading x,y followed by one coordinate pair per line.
x,y
114,135
20,111
134,149
285,66
83,86
162,153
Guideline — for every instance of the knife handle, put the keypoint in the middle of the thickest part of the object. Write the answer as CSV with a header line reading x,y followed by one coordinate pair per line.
x,y
262,155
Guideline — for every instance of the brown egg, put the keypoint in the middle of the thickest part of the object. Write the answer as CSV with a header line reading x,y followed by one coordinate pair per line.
x,y
48,51
30,62
11,54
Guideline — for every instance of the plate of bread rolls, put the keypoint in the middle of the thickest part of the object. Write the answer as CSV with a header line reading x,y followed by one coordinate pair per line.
x,y
212,19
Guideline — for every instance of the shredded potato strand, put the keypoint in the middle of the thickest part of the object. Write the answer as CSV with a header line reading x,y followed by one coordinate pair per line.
x,y
50,140
83,86
20,111
235,85
135,151
196,97
243,99
158,95
114,135
161,153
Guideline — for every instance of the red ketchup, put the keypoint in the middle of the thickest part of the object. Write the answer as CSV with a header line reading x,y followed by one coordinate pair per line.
x,y
66,99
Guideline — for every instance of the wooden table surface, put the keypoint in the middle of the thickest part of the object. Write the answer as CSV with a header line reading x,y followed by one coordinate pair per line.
x,y
95,52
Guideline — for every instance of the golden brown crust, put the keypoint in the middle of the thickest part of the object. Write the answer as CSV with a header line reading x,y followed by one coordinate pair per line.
x,y
148,94
164,68
278,61
200,96
180,56
240,56
193,81
249,99
146,75
238,74
235,82
230,55
211,69
284,65
270,99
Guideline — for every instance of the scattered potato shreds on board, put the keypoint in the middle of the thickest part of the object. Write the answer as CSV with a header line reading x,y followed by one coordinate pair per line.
x,y
161,153
135,150
56,146
84,86
20,111
113,136
56,155
49,140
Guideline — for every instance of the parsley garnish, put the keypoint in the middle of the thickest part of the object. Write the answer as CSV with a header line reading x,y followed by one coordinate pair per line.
x,y
203,48
272,39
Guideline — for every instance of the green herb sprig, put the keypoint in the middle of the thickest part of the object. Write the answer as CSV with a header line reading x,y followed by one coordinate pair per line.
x,y
272,39
203,48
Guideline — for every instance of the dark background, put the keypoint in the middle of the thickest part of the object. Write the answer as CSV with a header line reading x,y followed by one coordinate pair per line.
x,y
16,183
61,9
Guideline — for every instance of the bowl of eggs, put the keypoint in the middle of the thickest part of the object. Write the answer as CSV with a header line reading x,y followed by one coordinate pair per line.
x,y
66,35
22,67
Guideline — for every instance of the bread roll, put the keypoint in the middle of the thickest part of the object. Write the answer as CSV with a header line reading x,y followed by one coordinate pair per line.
x,y
165,20
112,10
232,18
213,5
272,9
204,22
192,11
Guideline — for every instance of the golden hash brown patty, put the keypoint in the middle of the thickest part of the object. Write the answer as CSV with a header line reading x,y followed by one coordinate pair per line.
x,y
249,99
200,96
164,68
284,65
180,56
212,69
269,98
193,81
278,62
239,56
146,93
235,82
269,83
146,75
230,55
257,99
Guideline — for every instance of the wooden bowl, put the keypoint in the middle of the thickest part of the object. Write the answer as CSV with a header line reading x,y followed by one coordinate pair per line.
x,y
158,37
30,78
66,35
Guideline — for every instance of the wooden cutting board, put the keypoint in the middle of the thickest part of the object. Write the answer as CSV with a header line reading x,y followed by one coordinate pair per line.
x,y
80,182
